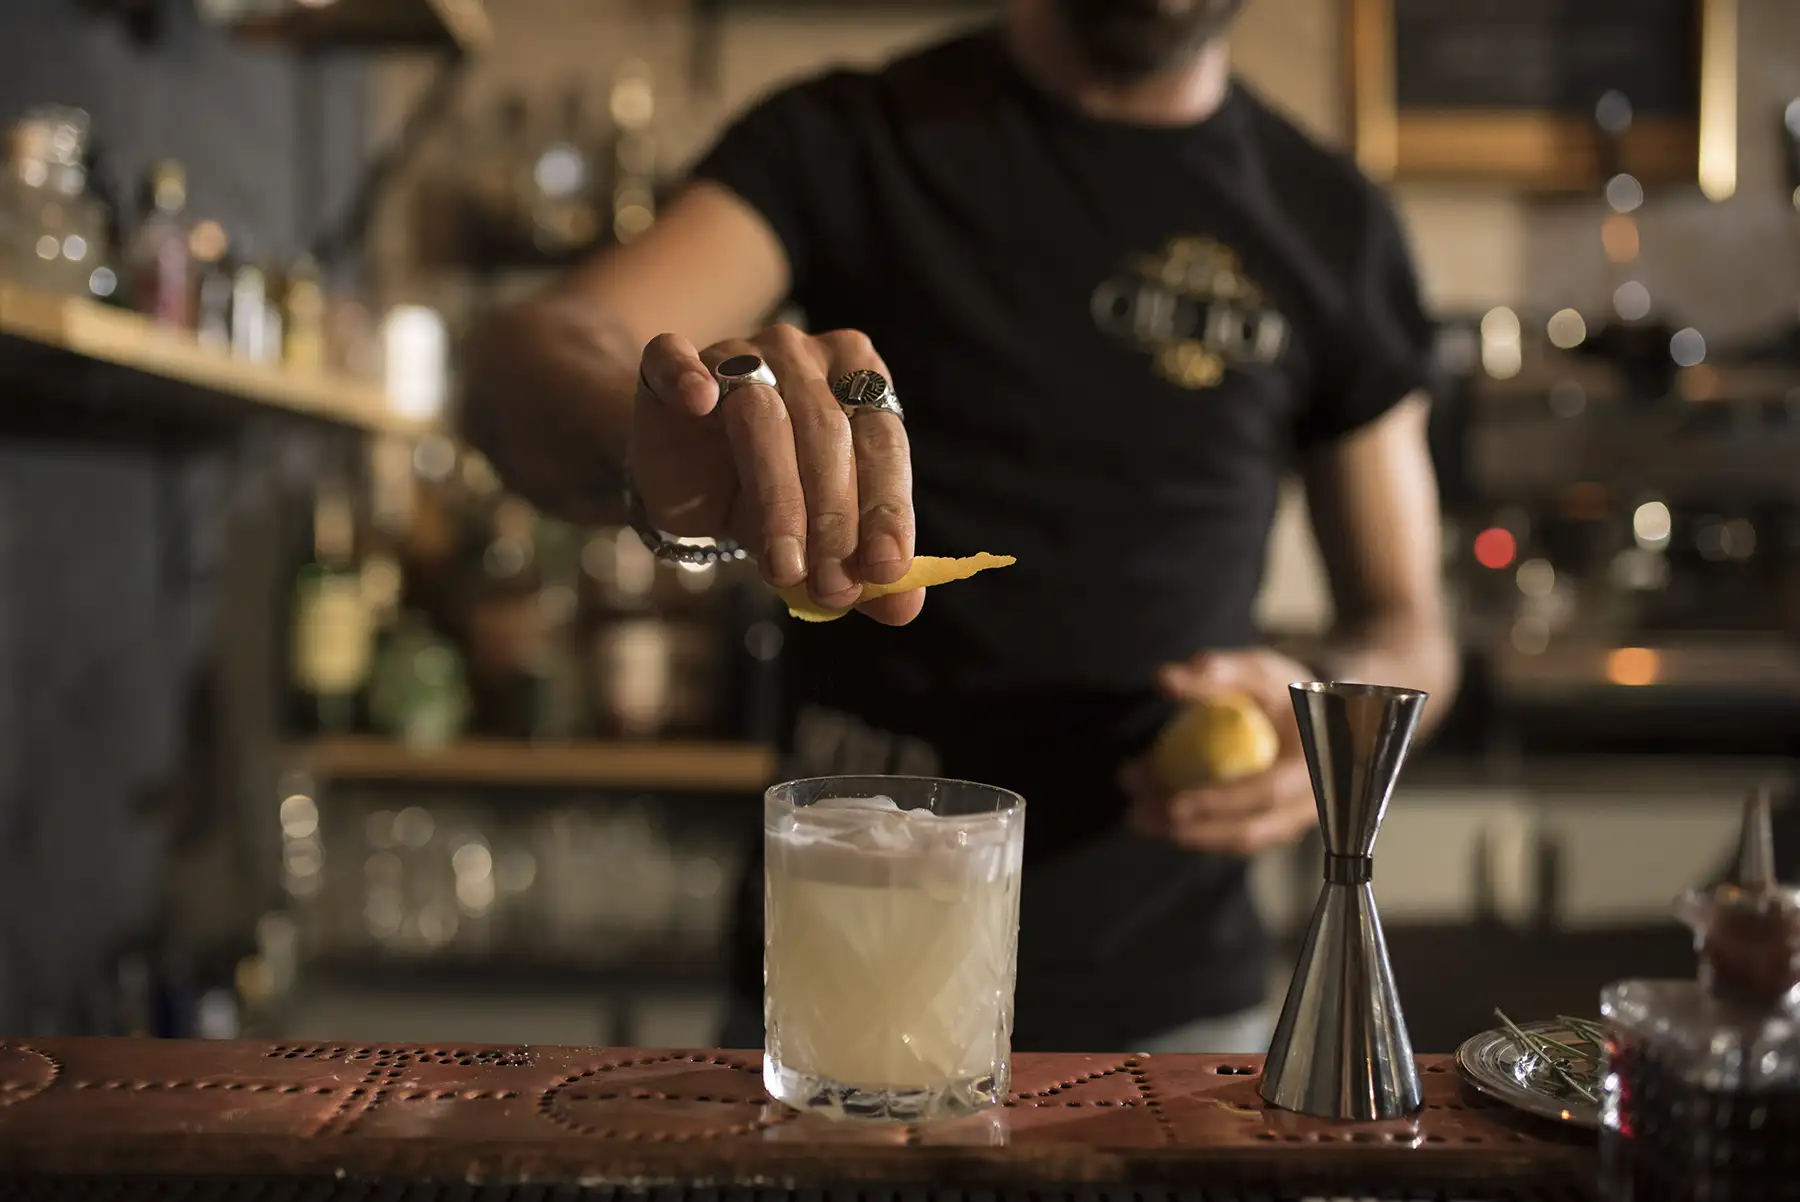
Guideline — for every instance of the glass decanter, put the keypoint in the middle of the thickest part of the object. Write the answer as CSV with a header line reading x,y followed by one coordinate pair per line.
x,y
1701,1082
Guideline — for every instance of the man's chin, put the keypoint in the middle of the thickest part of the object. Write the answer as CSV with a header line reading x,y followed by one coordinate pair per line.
x,y
1119,66
1123,44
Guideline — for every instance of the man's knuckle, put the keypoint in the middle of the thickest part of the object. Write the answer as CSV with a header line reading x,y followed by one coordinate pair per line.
x,y
782,514
850,343
880,437
785,336
886,513
824,425
833,530
753,407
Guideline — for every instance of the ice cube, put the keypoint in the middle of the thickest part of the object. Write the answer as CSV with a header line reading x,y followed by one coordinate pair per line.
x,y
854,803
883,830
860,824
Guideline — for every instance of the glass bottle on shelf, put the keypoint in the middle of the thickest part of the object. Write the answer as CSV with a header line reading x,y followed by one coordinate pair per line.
x,y
560,196
56,232
419,691
159,250
506,633
333,639
249,310
1701,1083
208,244
303,317
633,108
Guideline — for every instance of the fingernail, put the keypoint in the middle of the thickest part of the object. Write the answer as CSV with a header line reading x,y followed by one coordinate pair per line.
x,y
880,551
829,579
787,562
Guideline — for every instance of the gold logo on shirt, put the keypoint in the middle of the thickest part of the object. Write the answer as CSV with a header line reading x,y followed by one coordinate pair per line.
x,y
1191,308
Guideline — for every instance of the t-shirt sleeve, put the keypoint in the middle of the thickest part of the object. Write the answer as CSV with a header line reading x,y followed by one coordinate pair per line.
x,y
1382,347
767,157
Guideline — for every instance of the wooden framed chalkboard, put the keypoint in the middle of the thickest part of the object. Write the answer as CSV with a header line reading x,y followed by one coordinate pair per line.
x,y
1507,91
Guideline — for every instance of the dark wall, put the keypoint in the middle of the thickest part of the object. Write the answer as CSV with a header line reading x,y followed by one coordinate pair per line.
x,y
234,114
108,552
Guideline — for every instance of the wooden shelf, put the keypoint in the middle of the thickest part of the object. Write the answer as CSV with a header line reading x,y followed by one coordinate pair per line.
x,y
99,334
459,25
686,766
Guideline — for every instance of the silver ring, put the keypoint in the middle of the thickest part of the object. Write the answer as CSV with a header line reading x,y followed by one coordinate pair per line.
x,y
739,370
864,390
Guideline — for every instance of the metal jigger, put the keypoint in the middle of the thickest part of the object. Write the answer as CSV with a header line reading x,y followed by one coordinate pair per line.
x,y
1340,1050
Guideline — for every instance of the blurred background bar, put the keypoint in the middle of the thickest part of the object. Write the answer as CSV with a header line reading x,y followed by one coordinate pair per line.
x,y
309,729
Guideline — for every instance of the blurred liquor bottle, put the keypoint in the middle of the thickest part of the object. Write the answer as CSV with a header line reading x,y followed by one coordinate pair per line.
x,y
561,191
208,245
303,317
632,104
418,692
56,234
504,632
334,625
158,259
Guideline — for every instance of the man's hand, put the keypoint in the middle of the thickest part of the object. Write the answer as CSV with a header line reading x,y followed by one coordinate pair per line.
x,y
1244,816
817,496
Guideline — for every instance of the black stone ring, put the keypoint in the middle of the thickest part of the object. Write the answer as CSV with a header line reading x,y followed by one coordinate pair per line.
x,y
740,370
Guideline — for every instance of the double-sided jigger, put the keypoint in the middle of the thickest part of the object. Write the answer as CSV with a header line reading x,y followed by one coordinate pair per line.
x,y
1341,1050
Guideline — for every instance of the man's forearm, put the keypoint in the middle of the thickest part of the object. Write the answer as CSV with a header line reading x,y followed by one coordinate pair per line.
x,y
547,397
1405,651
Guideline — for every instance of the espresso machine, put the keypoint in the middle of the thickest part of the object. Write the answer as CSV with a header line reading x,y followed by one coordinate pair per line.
x,y
1624,518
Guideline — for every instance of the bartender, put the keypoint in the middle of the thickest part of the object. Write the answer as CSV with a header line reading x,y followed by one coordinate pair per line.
x,y
1109,298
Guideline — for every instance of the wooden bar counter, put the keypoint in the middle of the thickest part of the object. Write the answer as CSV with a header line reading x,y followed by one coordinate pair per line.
x,y
123,1118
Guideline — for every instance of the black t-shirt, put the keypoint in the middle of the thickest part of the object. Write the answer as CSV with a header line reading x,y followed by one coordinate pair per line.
x,y
1110,341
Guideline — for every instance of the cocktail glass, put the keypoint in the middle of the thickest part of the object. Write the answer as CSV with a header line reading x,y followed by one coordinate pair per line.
x,y
891,920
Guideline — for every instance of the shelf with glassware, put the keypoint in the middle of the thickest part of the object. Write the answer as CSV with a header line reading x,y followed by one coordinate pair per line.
x,y
450,881
430,608
537,184
513,742
101,337
170,303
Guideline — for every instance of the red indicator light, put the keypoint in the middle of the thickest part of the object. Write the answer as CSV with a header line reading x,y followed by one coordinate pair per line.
x,y
1495,548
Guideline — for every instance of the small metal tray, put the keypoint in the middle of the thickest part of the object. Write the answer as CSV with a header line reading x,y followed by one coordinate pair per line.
x,y
1494,1063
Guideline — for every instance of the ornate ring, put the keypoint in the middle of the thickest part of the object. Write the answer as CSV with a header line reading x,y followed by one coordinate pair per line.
x,y
739,370
865,390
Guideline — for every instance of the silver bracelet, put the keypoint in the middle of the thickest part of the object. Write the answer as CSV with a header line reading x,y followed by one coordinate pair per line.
x,y
670,550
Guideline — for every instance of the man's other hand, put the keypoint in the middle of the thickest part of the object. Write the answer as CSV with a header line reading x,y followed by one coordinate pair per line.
x,y
1244,816
817,496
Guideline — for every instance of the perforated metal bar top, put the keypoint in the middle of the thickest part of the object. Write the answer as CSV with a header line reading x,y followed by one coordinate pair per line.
x,y
253,1189
91,1119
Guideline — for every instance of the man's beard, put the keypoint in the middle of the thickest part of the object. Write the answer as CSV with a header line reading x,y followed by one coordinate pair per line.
x,y
1129,39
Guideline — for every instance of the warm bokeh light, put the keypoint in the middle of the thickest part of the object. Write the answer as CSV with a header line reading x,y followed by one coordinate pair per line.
x,y
1687,347
1700,383
1633,667
1502,353
1631,301
1619,238
1651,524
1536,578
1613,112
1566,329
1496,548
1624,193
207,241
